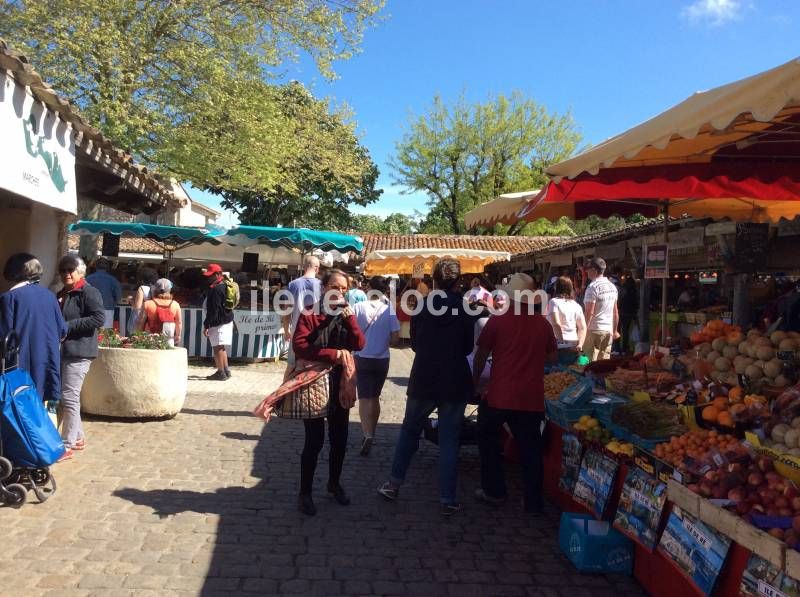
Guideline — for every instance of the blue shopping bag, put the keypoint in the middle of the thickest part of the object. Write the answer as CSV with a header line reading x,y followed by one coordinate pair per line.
x,y
29,437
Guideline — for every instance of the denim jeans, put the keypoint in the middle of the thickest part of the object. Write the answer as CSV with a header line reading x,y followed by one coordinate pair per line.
x,y
451,417
72,373
526,428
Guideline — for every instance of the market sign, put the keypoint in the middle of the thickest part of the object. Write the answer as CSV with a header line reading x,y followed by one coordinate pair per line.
x,y
763,578
37,151
257,323
418,270
595,481
696,549
656,263
640,506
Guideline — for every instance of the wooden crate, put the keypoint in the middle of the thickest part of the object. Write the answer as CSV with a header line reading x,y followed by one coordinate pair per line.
x,y
688,501
792,567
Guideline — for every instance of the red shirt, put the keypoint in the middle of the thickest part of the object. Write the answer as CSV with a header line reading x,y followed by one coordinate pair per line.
x,y
303,342
519,345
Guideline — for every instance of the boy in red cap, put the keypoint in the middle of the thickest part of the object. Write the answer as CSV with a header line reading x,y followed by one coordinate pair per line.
x,y
218,322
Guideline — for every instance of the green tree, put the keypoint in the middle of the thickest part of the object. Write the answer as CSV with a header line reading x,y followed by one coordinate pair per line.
x,y
396,223
465,154
135,68
282,157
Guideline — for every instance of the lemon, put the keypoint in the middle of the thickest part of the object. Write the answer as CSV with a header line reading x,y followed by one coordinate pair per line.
x,y
584,419
592,423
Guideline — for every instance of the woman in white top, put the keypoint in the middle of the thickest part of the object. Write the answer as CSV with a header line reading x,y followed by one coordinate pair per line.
x,y
147,277
566,316
378,322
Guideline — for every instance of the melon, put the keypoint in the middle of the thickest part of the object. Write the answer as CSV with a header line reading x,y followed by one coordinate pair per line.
x,y
777,337
742,365
763,342
787,344
754,372
722,364
793,335
716,375
743,346
730,352
729,378
759,363
781,381
712,356
704,348
735,338
718,344
752,350
753,334
765,353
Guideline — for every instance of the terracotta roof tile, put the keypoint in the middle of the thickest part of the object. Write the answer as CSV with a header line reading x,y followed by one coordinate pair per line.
x,y
511,244
126,245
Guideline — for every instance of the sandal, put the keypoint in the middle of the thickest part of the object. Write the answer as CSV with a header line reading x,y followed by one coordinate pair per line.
x,y
79,445
366,446
66,455
388,492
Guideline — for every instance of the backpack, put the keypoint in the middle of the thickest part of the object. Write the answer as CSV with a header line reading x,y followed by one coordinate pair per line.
x,y
163,315
232,296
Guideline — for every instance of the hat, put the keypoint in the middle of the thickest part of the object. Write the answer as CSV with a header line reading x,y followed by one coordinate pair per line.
x,y
517,283
162,286
213,268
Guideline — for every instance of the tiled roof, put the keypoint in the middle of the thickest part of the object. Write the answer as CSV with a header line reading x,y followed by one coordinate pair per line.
x,y
126,245
510,244
88,140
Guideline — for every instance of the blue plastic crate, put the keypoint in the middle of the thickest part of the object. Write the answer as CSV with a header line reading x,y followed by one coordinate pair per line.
x,y
647,444
564,415
603,410
593,545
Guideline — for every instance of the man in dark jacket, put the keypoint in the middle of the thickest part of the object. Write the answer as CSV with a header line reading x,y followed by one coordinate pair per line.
x,y
440,379
82,308
218,323
109,288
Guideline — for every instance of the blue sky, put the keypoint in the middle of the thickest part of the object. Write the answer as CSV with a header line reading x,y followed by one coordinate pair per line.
x,y
612,63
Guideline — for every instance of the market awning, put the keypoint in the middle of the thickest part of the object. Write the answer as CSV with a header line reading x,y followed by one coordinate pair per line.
x,y
171,234
502,210
745,126
293,238
403,261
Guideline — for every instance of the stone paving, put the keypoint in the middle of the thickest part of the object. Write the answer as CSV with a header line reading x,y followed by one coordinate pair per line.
x,y
204,504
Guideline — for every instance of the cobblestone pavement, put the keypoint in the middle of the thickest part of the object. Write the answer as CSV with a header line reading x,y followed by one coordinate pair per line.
x,y
205,504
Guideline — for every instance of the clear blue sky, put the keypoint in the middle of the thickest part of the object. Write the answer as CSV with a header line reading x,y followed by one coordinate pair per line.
x,y
613,63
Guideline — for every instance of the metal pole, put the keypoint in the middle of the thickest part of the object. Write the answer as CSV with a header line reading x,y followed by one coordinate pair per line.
x,y
665,211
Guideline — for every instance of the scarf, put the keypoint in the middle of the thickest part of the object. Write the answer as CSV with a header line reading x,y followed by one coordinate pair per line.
x,y
305,373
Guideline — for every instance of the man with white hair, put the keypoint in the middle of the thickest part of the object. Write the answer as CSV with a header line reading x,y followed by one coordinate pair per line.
x,y
305,290
520,341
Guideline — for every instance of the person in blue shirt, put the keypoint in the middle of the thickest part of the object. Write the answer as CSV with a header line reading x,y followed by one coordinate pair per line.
x,y
108,285
355,295
35,315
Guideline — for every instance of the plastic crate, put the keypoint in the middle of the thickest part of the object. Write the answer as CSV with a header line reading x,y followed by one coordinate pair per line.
x,y
564,415
647,444
618,431
593,545
603,410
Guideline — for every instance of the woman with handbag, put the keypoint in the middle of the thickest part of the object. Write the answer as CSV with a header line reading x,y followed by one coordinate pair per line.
x,y
328,335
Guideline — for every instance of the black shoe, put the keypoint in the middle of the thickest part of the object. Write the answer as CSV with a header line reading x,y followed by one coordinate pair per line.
x,y
339,495
484,497
306,505
228,373
217,376
450,509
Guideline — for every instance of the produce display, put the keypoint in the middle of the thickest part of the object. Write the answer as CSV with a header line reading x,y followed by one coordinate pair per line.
x,y
628,381
736,407
556,382
698,448
755,355
649,420
594,431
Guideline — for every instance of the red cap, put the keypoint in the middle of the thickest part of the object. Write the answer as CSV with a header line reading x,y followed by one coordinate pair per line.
x,y
213,268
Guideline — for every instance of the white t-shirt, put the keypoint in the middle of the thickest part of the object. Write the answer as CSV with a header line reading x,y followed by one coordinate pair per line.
x,y
566,313
379,333
603,294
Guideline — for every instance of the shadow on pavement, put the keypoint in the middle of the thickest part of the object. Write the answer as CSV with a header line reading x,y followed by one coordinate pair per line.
x,y
240,436
217,412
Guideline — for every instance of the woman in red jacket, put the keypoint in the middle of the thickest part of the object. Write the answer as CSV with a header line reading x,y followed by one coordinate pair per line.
x,y
324,335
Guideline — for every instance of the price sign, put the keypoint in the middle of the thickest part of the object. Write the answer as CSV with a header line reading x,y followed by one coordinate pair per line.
x,y
640,507
656,263
763,579
595,481
418,270
696,549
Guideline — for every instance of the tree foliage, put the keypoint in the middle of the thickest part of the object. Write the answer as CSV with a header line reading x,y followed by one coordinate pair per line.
x,y
465,154
396,223
280,157
135,68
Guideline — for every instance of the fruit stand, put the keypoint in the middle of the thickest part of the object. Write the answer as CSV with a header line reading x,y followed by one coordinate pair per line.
x,y
693,455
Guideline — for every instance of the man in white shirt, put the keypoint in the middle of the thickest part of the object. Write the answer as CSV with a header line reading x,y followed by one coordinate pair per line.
x,y
602,315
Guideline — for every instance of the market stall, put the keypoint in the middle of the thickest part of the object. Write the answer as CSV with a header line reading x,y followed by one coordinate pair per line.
x,y
691,455
421,261
502,210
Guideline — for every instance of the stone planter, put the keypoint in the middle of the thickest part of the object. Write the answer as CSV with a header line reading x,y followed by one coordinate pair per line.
x,y
136,383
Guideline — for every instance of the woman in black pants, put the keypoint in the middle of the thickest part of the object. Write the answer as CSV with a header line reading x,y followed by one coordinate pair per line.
x,y
324,337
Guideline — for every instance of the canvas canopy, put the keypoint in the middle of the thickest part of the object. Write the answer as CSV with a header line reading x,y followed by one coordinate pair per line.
x,y
502,210
403,261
